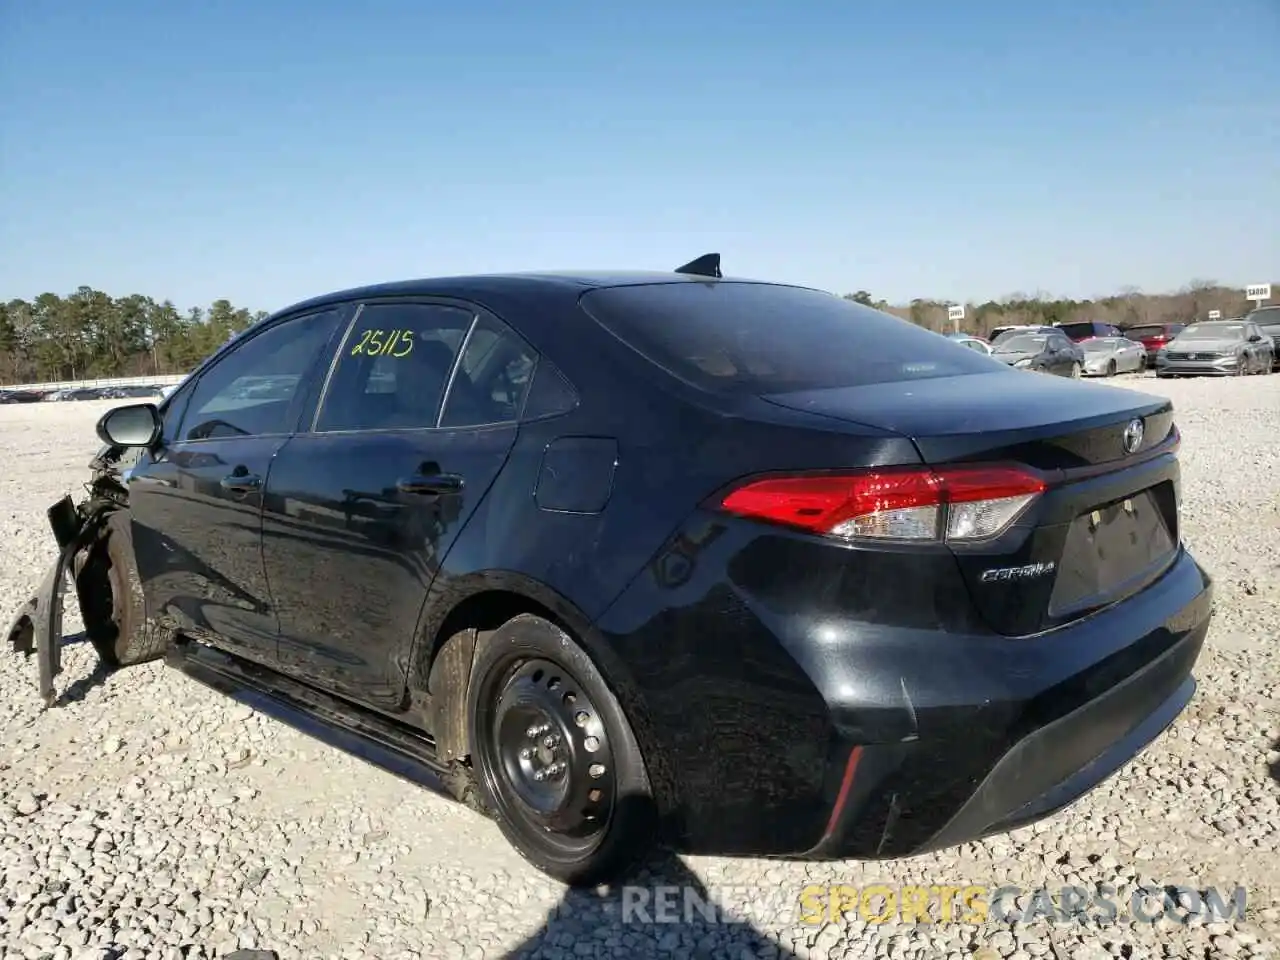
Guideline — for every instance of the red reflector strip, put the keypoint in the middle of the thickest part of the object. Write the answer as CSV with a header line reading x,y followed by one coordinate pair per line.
x,y
846,784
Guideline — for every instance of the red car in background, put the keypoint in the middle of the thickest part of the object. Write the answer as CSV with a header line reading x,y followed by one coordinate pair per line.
x,y
1154,336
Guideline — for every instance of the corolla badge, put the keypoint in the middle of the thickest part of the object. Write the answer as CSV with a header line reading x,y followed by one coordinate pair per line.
x,y
1005,574
1132,438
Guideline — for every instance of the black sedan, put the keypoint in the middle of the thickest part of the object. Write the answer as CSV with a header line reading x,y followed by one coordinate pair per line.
x,y
742,567
1043,350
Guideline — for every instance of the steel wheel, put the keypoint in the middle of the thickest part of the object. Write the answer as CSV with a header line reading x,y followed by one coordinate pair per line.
x,y
553,754
555,758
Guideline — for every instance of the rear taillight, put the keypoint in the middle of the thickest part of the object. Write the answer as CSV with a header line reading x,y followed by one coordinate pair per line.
x,y
956,504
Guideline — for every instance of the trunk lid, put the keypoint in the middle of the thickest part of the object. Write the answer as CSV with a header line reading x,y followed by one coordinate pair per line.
x,y
1106,527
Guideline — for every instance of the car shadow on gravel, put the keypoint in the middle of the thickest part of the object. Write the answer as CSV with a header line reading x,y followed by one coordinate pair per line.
x,y
1274,768
662,910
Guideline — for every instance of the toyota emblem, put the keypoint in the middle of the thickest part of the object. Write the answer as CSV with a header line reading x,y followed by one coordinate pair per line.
x,y
1132,438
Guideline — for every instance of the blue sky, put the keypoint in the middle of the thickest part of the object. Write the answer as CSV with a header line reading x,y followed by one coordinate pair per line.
x,y
269,151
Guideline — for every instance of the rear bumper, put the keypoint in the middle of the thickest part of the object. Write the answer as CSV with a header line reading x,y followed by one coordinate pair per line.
x,y
784,731
904,802
1024,760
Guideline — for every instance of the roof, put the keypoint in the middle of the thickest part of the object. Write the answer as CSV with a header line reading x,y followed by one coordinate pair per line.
x,y
506,284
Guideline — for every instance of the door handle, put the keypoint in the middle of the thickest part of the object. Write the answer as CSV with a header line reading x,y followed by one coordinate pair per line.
x,y
240,483
432,485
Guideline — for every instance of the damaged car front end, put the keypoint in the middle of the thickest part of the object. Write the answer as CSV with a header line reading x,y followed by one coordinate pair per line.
x,y
81,530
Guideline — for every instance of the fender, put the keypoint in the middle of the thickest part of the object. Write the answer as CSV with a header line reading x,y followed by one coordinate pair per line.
x,y
37,627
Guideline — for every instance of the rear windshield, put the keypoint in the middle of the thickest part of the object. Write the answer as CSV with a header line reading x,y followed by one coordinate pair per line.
x,y
755,338
1137,333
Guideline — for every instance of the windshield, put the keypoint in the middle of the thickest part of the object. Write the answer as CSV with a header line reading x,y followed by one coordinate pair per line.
x,y
1099,346
1075,330
758,338
1213,331
1022,343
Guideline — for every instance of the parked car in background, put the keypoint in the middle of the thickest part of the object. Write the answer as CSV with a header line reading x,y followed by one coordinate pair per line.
x,y
1153,337
976,344
21,396
1108,356
1085,329
1268,321
1216,348
1046,350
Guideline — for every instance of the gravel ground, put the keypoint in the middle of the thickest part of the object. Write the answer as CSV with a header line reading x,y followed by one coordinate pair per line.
x,y
149,816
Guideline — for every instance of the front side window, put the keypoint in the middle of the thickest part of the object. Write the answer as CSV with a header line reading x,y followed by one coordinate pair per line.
x,y
250,391
393,367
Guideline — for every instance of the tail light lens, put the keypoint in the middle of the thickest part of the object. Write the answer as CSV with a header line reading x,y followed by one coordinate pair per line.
x,y
953,504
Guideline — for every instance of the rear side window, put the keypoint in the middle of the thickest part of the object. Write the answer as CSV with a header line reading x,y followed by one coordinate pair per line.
x,y
492,381
754,338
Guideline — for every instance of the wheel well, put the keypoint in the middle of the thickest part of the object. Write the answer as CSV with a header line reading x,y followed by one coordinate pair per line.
x,y
445,672
488,611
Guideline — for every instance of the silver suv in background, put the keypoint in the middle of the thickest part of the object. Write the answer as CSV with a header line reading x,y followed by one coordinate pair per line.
x,y
1216,348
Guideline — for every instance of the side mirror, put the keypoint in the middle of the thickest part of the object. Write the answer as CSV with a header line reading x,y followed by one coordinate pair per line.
x,y
134,425
1255,338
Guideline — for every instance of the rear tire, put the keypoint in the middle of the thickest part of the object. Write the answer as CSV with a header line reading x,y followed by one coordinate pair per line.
x,y
111,599
555,758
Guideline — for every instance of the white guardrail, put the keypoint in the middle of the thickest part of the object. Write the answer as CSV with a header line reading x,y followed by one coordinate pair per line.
x,y
162,381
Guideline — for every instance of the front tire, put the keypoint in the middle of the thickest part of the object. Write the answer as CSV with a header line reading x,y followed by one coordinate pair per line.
x,y
555,758
1075,371
1111,369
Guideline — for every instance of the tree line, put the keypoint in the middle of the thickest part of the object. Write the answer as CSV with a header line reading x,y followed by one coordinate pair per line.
x,y
89,334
